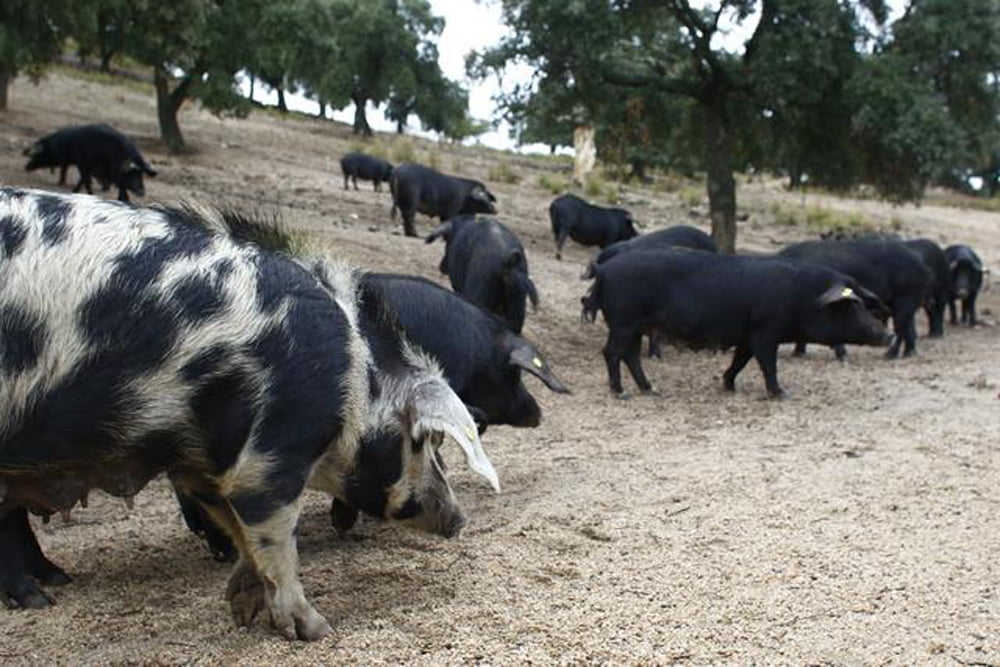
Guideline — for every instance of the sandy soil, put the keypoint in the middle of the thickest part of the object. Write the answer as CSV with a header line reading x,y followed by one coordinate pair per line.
x,y
854,523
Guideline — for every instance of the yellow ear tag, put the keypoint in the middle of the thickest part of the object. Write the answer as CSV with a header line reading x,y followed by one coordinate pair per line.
x,y
537,362
847,293
471,432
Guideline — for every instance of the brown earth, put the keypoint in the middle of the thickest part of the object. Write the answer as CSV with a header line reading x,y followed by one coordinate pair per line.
x,y
856,522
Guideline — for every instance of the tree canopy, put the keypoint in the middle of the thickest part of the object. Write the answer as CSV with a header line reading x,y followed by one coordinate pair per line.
x,y
338,52
821,90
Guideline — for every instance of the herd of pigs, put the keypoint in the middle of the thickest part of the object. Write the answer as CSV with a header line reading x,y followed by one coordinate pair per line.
x,y
139,341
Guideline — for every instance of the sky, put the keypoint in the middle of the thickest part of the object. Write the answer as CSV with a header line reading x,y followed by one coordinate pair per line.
x,y
469,25
475,25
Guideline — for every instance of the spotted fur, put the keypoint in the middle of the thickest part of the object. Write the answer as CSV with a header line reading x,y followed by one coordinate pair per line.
x,y
139,341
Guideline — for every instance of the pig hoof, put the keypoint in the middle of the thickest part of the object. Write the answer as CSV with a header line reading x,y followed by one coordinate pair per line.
x,y
623,396
651,392
245,592
312,627
23,594
299,621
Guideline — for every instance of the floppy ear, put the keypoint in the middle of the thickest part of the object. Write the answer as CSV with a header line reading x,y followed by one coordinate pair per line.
x,y
480,193
442,230
33,150
435,409
525,356
836,294
130,165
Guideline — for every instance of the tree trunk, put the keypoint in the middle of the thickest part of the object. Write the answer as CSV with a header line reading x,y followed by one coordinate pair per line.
x,y
322,108
361,125
721,185
282,107
5,78
253,80
638,172
105,50
167,105
584,152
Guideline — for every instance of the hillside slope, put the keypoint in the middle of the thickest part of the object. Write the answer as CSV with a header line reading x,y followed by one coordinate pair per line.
x,y
855,522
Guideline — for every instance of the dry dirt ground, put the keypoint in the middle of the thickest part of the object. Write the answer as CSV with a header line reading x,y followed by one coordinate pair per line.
x,y
856,522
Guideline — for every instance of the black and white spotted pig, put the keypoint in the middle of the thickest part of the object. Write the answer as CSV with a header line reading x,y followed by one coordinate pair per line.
x,y
140,341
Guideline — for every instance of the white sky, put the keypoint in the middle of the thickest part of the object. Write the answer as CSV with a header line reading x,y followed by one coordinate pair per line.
x,y
476,25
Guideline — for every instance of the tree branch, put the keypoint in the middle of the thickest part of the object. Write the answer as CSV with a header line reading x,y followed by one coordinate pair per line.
x,y
620,76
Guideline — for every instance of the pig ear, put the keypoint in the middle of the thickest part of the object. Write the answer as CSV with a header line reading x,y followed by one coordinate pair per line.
x,y
435,408
443,229
836,294
129,165
482,194
525,356
33,150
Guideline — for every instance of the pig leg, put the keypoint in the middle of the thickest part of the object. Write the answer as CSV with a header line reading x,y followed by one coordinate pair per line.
x,y
408,228
633,355
614,350
911,338
62,173
905,329
561,237
346,178
766,353
953,311
897,340
39,567
654,346
270,547
265,576
198,521
969,306
354,181
800,350
21,556
741,357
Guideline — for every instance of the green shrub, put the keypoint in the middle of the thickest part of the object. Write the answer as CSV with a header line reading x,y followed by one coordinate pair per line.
x,y
402,150
554,183
596,187
502,172
691,197
784,216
